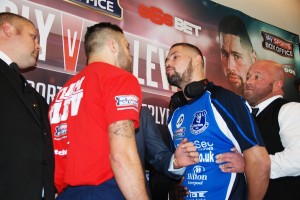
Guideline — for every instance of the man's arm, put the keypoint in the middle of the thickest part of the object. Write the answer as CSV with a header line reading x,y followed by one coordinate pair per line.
x,y
158,154
287,162
257,171
284,163
125,161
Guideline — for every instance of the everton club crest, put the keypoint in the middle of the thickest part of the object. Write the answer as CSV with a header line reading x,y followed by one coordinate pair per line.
x,y
199,123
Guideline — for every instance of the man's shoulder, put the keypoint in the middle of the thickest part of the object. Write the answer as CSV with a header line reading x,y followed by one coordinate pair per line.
x,y
220,93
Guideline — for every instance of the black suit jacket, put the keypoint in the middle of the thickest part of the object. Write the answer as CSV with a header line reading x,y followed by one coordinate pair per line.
x,y
152,148
26,151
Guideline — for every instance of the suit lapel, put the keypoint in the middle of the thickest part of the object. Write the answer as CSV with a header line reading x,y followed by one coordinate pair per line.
x,y
11,79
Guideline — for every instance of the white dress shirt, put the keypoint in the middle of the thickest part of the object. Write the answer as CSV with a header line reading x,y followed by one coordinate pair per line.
x,y
286,162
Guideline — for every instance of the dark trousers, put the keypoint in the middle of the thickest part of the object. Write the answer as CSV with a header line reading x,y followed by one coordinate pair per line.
x,y
108,190
284,188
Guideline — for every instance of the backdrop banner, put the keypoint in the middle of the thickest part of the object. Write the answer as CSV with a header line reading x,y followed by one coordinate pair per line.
x,y
151,28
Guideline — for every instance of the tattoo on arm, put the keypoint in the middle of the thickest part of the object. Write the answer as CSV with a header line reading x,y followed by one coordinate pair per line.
x,y
123,128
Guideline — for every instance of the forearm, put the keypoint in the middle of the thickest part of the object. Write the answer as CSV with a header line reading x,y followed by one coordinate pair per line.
x,y
257,182
129,176
257,170
125,161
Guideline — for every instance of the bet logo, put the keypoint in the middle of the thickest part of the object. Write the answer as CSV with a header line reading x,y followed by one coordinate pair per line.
x,y
156,15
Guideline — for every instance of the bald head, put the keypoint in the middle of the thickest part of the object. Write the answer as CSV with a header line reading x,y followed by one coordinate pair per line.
x,y
274,69
265,79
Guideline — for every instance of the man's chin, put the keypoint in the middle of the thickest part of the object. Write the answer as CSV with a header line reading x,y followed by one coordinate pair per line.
x,y
237,88
235,85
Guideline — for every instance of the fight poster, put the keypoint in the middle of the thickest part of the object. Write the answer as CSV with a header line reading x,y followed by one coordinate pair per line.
x,y
151,27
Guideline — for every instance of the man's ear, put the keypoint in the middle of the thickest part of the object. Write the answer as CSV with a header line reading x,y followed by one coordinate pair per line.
x,y
278,85
253,56
7,29
196,60
113,45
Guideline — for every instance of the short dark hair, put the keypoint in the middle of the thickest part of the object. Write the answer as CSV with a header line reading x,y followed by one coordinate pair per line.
x,y
233,25
196,49
96,34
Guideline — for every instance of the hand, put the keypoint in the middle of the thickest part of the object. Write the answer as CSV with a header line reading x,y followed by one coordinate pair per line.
x,y
186,154
178,192
233,161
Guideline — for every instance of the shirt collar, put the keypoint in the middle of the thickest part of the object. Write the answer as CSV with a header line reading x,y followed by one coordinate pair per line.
x,y
5,58
265,103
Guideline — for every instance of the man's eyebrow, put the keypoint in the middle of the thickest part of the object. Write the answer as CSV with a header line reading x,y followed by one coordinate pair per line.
x,y
171,55
235,52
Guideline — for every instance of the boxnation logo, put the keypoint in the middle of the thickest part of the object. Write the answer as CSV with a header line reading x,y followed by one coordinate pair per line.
x,y
157,16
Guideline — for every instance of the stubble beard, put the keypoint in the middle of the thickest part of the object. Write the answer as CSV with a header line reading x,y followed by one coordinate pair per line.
x,y
181,81
255,97
124,61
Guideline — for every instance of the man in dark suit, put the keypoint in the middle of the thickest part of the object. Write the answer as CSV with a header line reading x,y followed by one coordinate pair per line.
x,y
152,148
26,152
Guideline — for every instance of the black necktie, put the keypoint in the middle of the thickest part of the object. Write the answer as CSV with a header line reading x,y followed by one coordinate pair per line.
x,y
15,67
255,111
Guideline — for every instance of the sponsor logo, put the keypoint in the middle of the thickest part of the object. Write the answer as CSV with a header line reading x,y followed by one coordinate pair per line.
x,y
290,70
180,121
61,130
277,45
157,16
60,153
203,145
197,177
198,169
129,101
207,157
197,174
197,194
199,123
109,7
179,133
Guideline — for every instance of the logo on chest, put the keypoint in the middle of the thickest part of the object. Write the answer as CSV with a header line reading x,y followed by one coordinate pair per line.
x,y
199,123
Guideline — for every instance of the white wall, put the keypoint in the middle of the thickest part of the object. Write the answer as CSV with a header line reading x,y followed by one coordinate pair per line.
x,y
284,14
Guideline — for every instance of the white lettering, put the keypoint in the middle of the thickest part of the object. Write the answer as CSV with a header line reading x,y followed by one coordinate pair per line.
x,y
70,97
136,48
160,114
44,30
150,65
60,153
206,157
186,26
103,4
71,45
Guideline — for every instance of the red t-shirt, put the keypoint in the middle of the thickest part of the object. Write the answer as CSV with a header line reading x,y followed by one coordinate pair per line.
x,y
80,115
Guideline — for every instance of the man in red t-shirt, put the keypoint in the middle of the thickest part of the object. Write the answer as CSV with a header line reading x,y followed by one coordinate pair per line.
x,y
93,119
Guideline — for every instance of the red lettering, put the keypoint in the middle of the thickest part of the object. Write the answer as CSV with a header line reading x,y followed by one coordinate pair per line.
x,y
156,15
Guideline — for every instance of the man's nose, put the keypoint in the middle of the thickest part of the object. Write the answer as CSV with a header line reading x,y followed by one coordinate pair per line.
x,y
249,81
167,63
231,64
